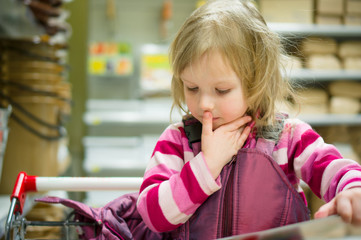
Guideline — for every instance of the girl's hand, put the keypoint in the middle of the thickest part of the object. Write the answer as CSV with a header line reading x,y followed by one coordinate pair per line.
x,y
220,145
347,204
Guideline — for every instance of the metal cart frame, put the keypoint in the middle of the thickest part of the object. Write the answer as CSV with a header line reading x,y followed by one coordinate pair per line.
x,y
16,223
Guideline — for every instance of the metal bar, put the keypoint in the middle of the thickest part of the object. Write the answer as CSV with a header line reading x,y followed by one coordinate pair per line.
x,y
79,184
27,183
57,223
9,220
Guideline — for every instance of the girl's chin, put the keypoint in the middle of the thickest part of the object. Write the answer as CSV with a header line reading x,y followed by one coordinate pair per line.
x,y
216,125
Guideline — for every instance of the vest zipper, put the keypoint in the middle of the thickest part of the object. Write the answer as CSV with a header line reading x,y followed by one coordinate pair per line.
x,y
228,205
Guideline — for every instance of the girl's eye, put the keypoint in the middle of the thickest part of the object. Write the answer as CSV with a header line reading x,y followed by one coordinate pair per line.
x,y
192,89
223,91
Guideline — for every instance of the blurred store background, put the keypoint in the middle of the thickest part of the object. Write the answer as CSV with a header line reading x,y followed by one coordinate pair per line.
x,y
84,85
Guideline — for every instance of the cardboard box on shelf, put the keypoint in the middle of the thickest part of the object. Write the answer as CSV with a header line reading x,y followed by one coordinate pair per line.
x,y
351,63
313,96
349,49
352,20
322,61
314,101
314,109
345,88
353,6
328,19
318,45
295,11
335,7
344,105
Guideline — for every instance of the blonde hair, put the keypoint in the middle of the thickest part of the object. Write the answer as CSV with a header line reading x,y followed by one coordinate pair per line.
x,y
236,29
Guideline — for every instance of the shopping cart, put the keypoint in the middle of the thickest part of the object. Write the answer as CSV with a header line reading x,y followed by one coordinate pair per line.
x,y
16,223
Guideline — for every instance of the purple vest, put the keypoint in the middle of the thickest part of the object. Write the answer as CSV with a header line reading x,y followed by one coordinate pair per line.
x,y
255,195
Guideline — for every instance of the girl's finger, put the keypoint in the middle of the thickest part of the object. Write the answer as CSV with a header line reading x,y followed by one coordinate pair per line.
x,y
344,209
207,127
356,210
327,209
244,135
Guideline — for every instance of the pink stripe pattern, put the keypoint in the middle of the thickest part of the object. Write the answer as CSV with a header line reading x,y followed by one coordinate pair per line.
x,y
179,186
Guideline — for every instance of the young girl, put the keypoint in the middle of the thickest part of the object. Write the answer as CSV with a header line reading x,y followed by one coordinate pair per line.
x,y
234,164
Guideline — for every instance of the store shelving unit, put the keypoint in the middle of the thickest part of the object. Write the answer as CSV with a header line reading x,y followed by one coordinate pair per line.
x,y
341,32
154,114
145,114
19,24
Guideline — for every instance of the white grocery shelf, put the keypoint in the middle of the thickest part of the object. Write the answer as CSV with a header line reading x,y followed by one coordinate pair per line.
x,y
117,156
115,117
104,167
324,75
302,30
126,117
332,119
130,112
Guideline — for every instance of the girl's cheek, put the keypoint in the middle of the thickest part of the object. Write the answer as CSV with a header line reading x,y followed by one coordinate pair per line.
x,y
190,104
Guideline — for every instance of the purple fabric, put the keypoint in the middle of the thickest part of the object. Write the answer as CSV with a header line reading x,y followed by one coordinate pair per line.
x,y
119,219
256,195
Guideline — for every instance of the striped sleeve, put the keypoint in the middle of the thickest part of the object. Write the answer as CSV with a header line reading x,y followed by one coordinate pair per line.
x,y
319,164
175,182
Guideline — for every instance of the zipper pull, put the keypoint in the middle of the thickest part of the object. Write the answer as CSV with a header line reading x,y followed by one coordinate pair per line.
x,y
232,160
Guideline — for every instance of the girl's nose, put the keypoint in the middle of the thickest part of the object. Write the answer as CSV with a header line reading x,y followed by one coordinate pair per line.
x,y
206,103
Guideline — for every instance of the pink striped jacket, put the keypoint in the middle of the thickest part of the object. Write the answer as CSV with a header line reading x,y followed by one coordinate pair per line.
x,y
176,182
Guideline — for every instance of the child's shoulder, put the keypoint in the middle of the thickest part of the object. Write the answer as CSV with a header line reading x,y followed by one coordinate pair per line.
x,y
296,127
176,125
293,122
174,130
289,120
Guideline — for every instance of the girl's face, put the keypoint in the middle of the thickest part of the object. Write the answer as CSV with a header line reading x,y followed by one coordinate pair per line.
x,y
210,84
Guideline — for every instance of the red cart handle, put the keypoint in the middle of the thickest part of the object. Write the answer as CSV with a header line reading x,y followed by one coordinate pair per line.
x,y
23,184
